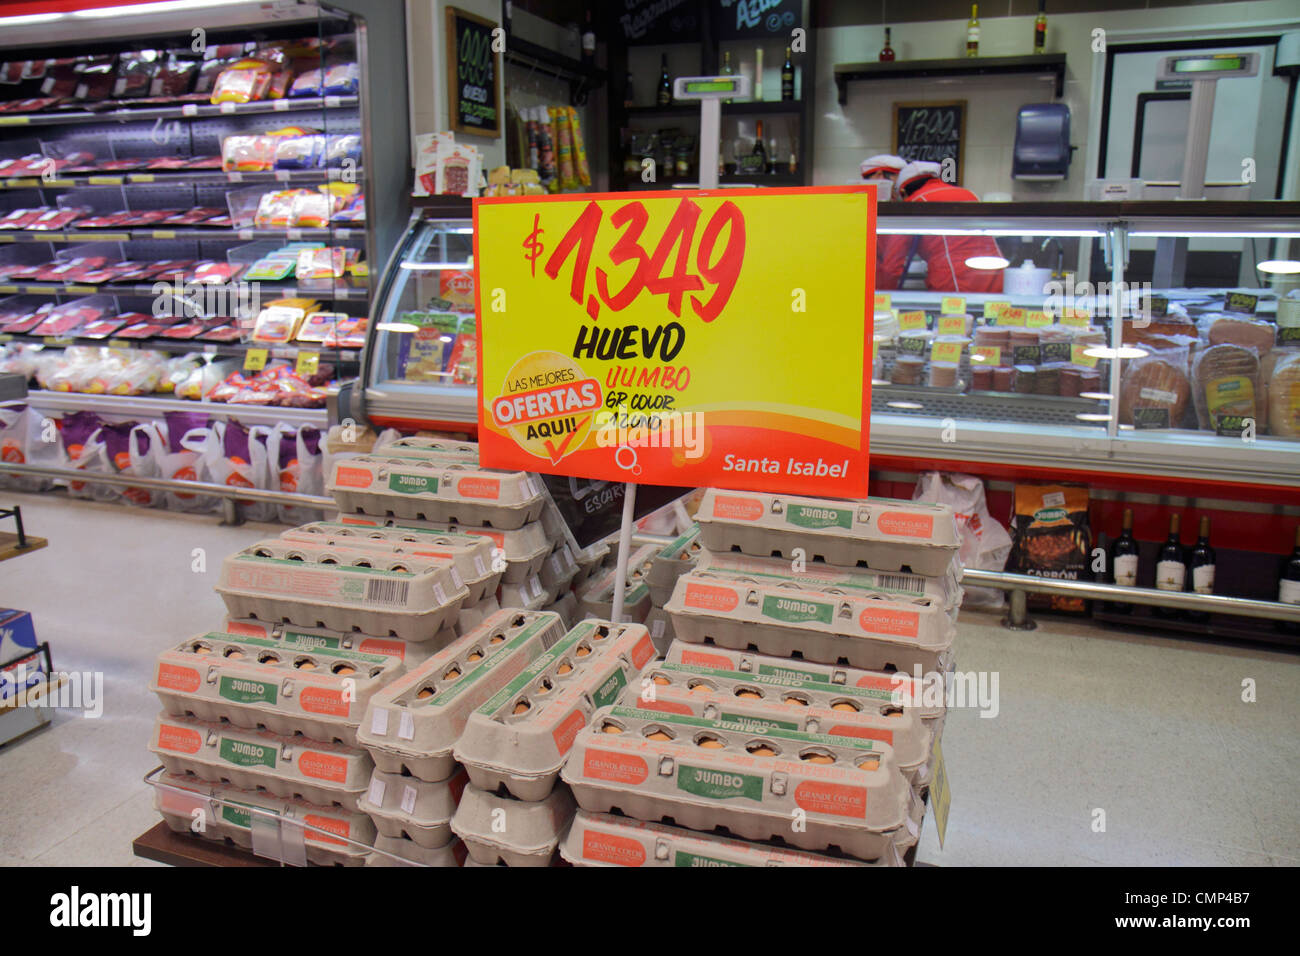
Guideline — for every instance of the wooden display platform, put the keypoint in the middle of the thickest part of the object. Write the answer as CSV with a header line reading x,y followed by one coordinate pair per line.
x,y
9,545
160,844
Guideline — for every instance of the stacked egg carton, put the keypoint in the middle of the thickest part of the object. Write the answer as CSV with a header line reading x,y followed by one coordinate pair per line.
x,y
789,686
668,564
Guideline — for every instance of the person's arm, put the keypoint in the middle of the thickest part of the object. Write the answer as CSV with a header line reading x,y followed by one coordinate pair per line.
x,y
891,256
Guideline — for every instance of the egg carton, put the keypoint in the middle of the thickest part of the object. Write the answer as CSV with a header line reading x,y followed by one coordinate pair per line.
x,y
558,570
814,575
255,683
471,616
398,851
660,625
523,549
411,605
528,593
566,605
517,740
432,489
883,534
230,813
500,829
589,560
596,596
896,688
296,767
868,631
408,653
404,807
851,793
470,556
416,444
813,709
598,839
671,562
413,724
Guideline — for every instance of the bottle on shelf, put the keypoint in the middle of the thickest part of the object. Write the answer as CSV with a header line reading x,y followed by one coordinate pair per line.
x,y
787,78
665,84
794,157
973,31
589,41
727,69
1171,565
1202,564
760,151
1124,557
1288,584
629,100
771,156
887,51
758,75
1040,28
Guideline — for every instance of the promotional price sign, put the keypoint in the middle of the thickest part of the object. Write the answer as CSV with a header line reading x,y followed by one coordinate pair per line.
x,y
697,338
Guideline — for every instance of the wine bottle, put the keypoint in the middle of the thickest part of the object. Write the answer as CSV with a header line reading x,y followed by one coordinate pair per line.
x,y
758,75
589,41
1171,566
1202,564
727,69
665,84
1288,584
629,100
1124,556
887,52
973,31
787,78
760,152
1040,28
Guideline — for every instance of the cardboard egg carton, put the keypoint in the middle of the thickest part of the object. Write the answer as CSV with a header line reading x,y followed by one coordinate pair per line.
x,y
598,839
598,601
416,444
413,724
558,570
472,615
862,630
398,851
256,683
705,774
813,709
883,534
888,688
470,556
295,767
817,576
589,560
404,807
518,739
435,489
672,562
411,605
523,549
293,638
500,829
528,593
230,813
566,605
660,625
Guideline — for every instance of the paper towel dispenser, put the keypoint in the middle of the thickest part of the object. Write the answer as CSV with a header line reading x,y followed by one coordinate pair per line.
x,y
1042,150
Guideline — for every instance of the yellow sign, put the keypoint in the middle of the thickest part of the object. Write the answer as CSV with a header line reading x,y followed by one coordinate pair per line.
x,y
1037,320
1076,317
883,301
910,321
952,305
254,360
940,790
989,355
307,364
1078,356
952,325
1012,317
946,352
655,337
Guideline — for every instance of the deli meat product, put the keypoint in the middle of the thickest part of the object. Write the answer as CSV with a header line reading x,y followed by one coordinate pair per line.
x,y
1227,383
1154,394
1283,394
1248,333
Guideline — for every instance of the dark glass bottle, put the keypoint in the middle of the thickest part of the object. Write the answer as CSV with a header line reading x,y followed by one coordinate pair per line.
x,y
665,84
760,151
589,42
887,52
1171,566
787,77
1124,557
1202,567
1040,28
1288,584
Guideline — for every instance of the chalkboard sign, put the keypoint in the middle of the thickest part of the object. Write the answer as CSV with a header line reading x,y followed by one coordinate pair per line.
x,y
473,80
593,509
644,22
931,132
756,19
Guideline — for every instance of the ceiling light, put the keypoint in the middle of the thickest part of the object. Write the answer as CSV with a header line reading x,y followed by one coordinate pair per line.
x,y
988,262
397,327
1089,417
1123,352
910,406
1099,396
1279,266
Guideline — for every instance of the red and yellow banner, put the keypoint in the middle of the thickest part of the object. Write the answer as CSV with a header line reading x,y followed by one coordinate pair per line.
x,y
718,337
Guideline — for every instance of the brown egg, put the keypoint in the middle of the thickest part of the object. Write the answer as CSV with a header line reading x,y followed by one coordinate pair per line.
x,y
304,665
564,668
749,695
794,702
474,656
234,654
818,758
844,705
608,728
200,649
268,659
496,638
424,693
870,764
658,735
452,674
521,707
582,652
761,750
543,688
710,743
661,680
345,670
700,689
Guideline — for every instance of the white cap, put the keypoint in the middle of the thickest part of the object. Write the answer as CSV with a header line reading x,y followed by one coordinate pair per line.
x,y
915,170
883,161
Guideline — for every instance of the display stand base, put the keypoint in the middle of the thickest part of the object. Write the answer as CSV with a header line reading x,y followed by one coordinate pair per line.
x,y
9,545
160,844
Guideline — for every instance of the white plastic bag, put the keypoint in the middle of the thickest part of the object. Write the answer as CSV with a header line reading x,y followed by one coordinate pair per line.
x,y
130,448
28,438
296,458
985,544
239,458
188,443
83,442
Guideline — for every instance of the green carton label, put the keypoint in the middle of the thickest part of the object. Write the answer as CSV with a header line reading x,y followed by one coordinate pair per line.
x,y
412,484
757,725
243,754
610,690
237,815
816,516
312,641
797,677
244,691
681,858
793,610
719,784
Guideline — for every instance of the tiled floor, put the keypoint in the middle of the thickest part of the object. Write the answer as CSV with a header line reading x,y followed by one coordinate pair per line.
x,y
1107,749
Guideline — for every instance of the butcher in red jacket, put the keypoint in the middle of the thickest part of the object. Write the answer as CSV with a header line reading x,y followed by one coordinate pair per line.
x,y
945,256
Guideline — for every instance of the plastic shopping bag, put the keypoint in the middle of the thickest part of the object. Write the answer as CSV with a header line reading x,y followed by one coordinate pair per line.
x,y
985,544
130,447
28,438
240,460
297,457
83,443
189,442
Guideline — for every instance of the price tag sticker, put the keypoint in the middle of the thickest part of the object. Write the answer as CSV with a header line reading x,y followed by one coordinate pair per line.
x,y
875,350
1079,356
254,360
952,325
120,344
8,290
375,795
227,108
141,177
13,120
246,234
342,233
911,321
988,355
379,721
4,238
1012,316
946,352
1037,320
56,340
190,109
280,105
333,102
952,305
283,175
295,233
307,364
883,301
235,176
164,233
406,726
104,180
6,337
409,794
1241,302
1079,318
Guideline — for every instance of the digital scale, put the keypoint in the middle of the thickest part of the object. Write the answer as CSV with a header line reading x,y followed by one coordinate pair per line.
x,y
710,91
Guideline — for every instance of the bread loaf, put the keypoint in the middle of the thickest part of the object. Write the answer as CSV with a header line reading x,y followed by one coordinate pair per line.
x,y
1284,395
1153,394
1227,383
1248,333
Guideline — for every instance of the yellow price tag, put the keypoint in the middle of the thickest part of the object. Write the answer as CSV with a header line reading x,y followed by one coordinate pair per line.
x,y
4,238
940,790
1078,356
8,290
1037,320
6,337
1012,317
946,352
22,183
121,344
882,301
1076,317
164,233
255,360
81,289
952,325
307,363
909,321
141,177
875,350
953,305
56,340
104,180
13,120
989,355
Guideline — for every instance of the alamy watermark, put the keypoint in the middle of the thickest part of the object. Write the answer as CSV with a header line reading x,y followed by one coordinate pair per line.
x,y
69,690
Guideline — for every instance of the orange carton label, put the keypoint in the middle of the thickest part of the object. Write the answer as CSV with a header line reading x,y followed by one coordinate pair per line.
x,y
904,525
742,509
836,799
707,660
172,677
863,733
353,477
665,706
479,487
377,645
642,652
564,734
710,598
183,740
608,848
340,827
245,628
884,620
323,700
608,765
323,766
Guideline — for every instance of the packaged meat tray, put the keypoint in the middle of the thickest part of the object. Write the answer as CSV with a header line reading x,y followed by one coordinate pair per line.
x,y
499,829
598,839
413,605
669,564
412,726
879,533
409,853
408,653
526,594
523,549
470,556
435,490
295,767
229,813
413,809
520,737
868,631
703,774
255,683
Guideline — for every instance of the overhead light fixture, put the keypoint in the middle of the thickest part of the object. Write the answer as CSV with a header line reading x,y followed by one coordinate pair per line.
x,y
1091,417
1099,396
1189,234
1123,352
1279,266
434,266
163,6
397,327
29,18
945,231
988,262
908,406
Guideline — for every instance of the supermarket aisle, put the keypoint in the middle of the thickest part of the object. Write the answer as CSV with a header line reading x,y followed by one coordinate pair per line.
x,y
1153,732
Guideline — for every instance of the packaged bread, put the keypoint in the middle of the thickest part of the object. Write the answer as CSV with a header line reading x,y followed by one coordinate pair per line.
x,y
1254,334
1226,380
1282,404
1154,391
